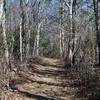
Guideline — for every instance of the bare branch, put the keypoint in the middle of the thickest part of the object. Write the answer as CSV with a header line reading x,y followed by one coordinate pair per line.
x,y
66,3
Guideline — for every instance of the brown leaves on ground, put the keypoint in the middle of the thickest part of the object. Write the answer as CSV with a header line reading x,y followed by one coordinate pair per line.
x,y
48,80
50,61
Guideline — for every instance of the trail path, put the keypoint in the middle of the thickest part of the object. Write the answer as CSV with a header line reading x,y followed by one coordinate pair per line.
x,y
47,82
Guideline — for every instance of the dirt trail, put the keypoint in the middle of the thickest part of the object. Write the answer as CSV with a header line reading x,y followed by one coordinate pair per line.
x,y
38,82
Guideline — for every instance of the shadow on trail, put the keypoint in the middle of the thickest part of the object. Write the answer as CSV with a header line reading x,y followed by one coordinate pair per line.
x,y
77,78
43,82
34,96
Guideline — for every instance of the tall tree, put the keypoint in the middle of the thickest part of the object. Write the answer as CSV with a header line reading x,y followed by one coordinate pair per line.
x,y
72,27
21,29
7,66
38,31
95,3
61,14
39,22
27,28
71,6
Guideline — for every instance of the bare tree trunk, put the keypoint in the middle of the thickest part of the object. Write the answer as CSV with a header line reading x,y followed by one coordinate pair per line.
x,y
38,32
11,56
61,13
38,39
28,30
28,44
7,60
95,3
34,48
72,28
21,31
21,39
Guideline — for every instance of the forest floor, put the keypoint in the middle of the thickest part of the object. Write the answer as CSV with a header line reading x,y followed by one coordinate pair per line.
x,y
49,80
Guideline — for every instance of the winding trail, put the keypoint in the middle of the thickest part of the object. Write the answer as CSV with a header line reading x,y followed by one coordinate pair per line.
x,y
49,82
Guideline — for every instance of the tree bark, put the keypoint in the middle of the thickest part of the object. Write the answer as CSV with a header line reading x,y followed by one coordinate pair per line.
x,y
21,40
95,3
72,28
21,30
38,32
28,30
38,39
61,13
7,67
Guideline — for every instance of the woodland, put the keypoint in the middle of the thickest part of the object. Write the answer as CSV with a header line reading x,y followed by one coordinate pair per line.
x,y
49,49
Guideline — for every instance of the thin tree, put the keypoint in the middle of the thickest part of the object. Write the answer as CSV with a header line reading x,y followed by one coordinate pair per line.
x,y
39,23
72,49
95,3
7,67
21,30
61,14
28,29
38,31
